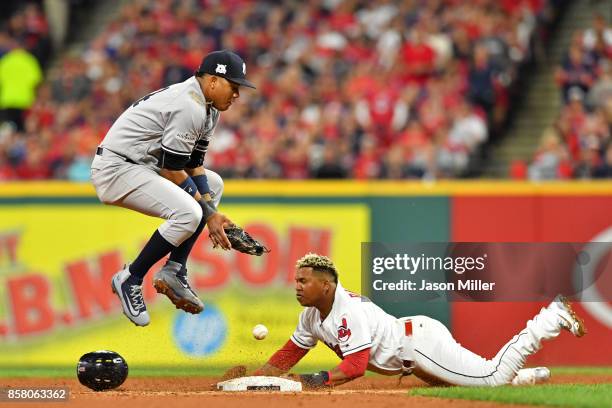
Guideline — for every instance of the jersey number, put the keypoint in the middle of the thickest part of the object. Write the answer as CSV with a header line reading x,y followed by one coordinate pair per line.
x,y
144,98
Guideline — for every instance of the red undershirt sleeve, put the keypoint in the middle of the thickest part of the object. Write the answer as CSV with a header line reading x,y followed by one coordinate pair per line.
x,y
354,365
288,356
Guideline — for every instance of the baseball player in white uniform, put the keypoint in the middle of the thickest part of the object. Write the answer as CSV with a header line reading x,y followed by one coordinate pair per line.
x,y
151,161
365,337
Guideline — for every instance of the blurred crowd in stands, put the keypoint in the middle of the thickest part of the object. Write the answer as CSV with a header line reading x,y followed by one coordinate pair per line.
x,y
579,144
346,88
24,49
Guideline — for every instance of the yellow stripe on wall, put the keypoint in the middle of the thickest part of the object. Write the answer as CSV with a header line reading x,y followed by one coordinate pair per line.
x,y
315,188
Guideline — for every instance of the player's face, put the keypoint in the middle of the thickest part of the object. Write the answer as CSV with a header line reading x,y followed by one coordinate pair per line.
x,y
223,93
309,287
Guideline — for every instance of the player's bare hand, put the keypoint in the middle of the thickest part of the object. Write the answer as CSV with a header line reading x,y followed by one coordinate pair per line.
x,y
215,223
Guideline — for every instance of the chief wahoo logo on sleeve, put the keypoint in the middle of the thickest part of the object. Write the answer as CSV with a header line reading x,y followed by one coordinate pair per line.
x,y
343,331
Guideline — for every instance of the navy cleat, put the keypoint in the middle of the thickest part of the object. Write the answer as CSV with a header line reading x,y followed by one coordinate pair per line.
x,y
130,295
171,280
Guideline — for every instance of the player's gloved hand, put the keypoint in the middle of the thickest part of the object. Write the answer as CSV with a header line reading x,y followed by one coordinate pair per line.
x,y
311,381
243,242
291,376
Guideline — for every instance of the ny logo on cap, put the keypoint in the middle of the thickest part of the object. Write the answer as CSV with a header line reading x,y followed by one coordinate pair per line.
x,y
221,69
243,68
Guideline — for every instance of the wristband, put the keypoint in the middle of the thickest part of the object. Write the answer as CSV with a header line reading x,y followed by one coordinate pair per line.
x,y
201,182
189,187
316,380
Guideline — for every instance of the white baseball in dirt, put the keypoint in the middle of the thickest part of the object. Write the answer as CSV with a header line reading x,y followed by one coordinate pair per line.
x,y
260,332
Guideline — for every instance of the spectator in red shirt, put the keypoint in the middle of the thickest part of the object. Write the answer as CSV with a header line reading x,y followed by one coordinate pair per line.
x,y
419,58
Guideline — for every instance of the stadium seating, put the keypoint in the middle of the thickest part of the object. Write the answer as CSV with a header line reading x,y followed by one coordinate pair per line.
x,y
346,89
578,144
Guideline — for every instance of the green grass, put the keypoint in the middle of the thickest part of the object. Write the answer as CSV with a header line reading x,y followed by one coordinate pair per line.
x,y
178,371
580,371
59,372
42,372
150,371
558,395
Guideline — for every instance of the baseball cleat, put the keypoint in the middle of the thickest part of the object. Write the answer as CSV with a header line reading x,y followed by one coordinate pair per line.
x,y
531,376
171,280
130,295
569,320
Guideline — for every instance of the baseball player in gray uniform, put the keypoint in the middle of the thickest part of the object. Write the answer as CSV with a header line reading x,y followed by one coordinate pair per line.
x,y
151,161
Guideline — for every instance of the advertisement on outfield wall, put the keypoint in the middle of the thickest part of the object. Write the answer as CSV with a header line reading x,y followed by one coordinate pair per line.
x,y
587,219
57,254
56,262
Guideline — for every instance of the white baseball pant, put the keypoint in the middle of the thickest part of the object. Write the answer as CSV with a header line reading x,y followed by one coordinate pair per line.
x,y
438,356
140,188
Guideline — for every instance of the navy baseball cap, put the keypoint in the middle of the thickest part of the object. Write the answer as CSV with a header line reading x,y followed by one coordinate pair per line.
x,y
225,64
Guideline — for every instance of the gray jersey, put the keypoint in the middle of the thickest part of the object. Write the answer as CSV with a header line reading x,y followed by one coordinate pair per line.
x,y
174,119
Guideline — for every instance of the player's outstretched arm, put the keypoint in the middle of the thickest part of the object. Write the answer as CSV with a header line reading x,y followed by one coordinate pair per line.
x,y
241,371
269,370
280,362
283,360
353,366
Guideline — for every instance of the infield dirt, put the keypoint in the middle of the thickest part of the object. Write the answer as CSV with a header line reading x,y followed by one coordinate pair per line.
x,y
192,392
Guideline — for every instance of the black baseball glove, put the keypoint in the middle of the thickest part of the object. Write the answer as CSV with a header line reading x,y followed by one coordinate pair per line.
x,y
241,241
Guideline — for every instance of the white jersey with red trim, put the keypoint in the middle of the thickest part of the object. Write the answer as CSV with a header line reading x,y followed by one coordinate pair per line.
x,y
354,324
